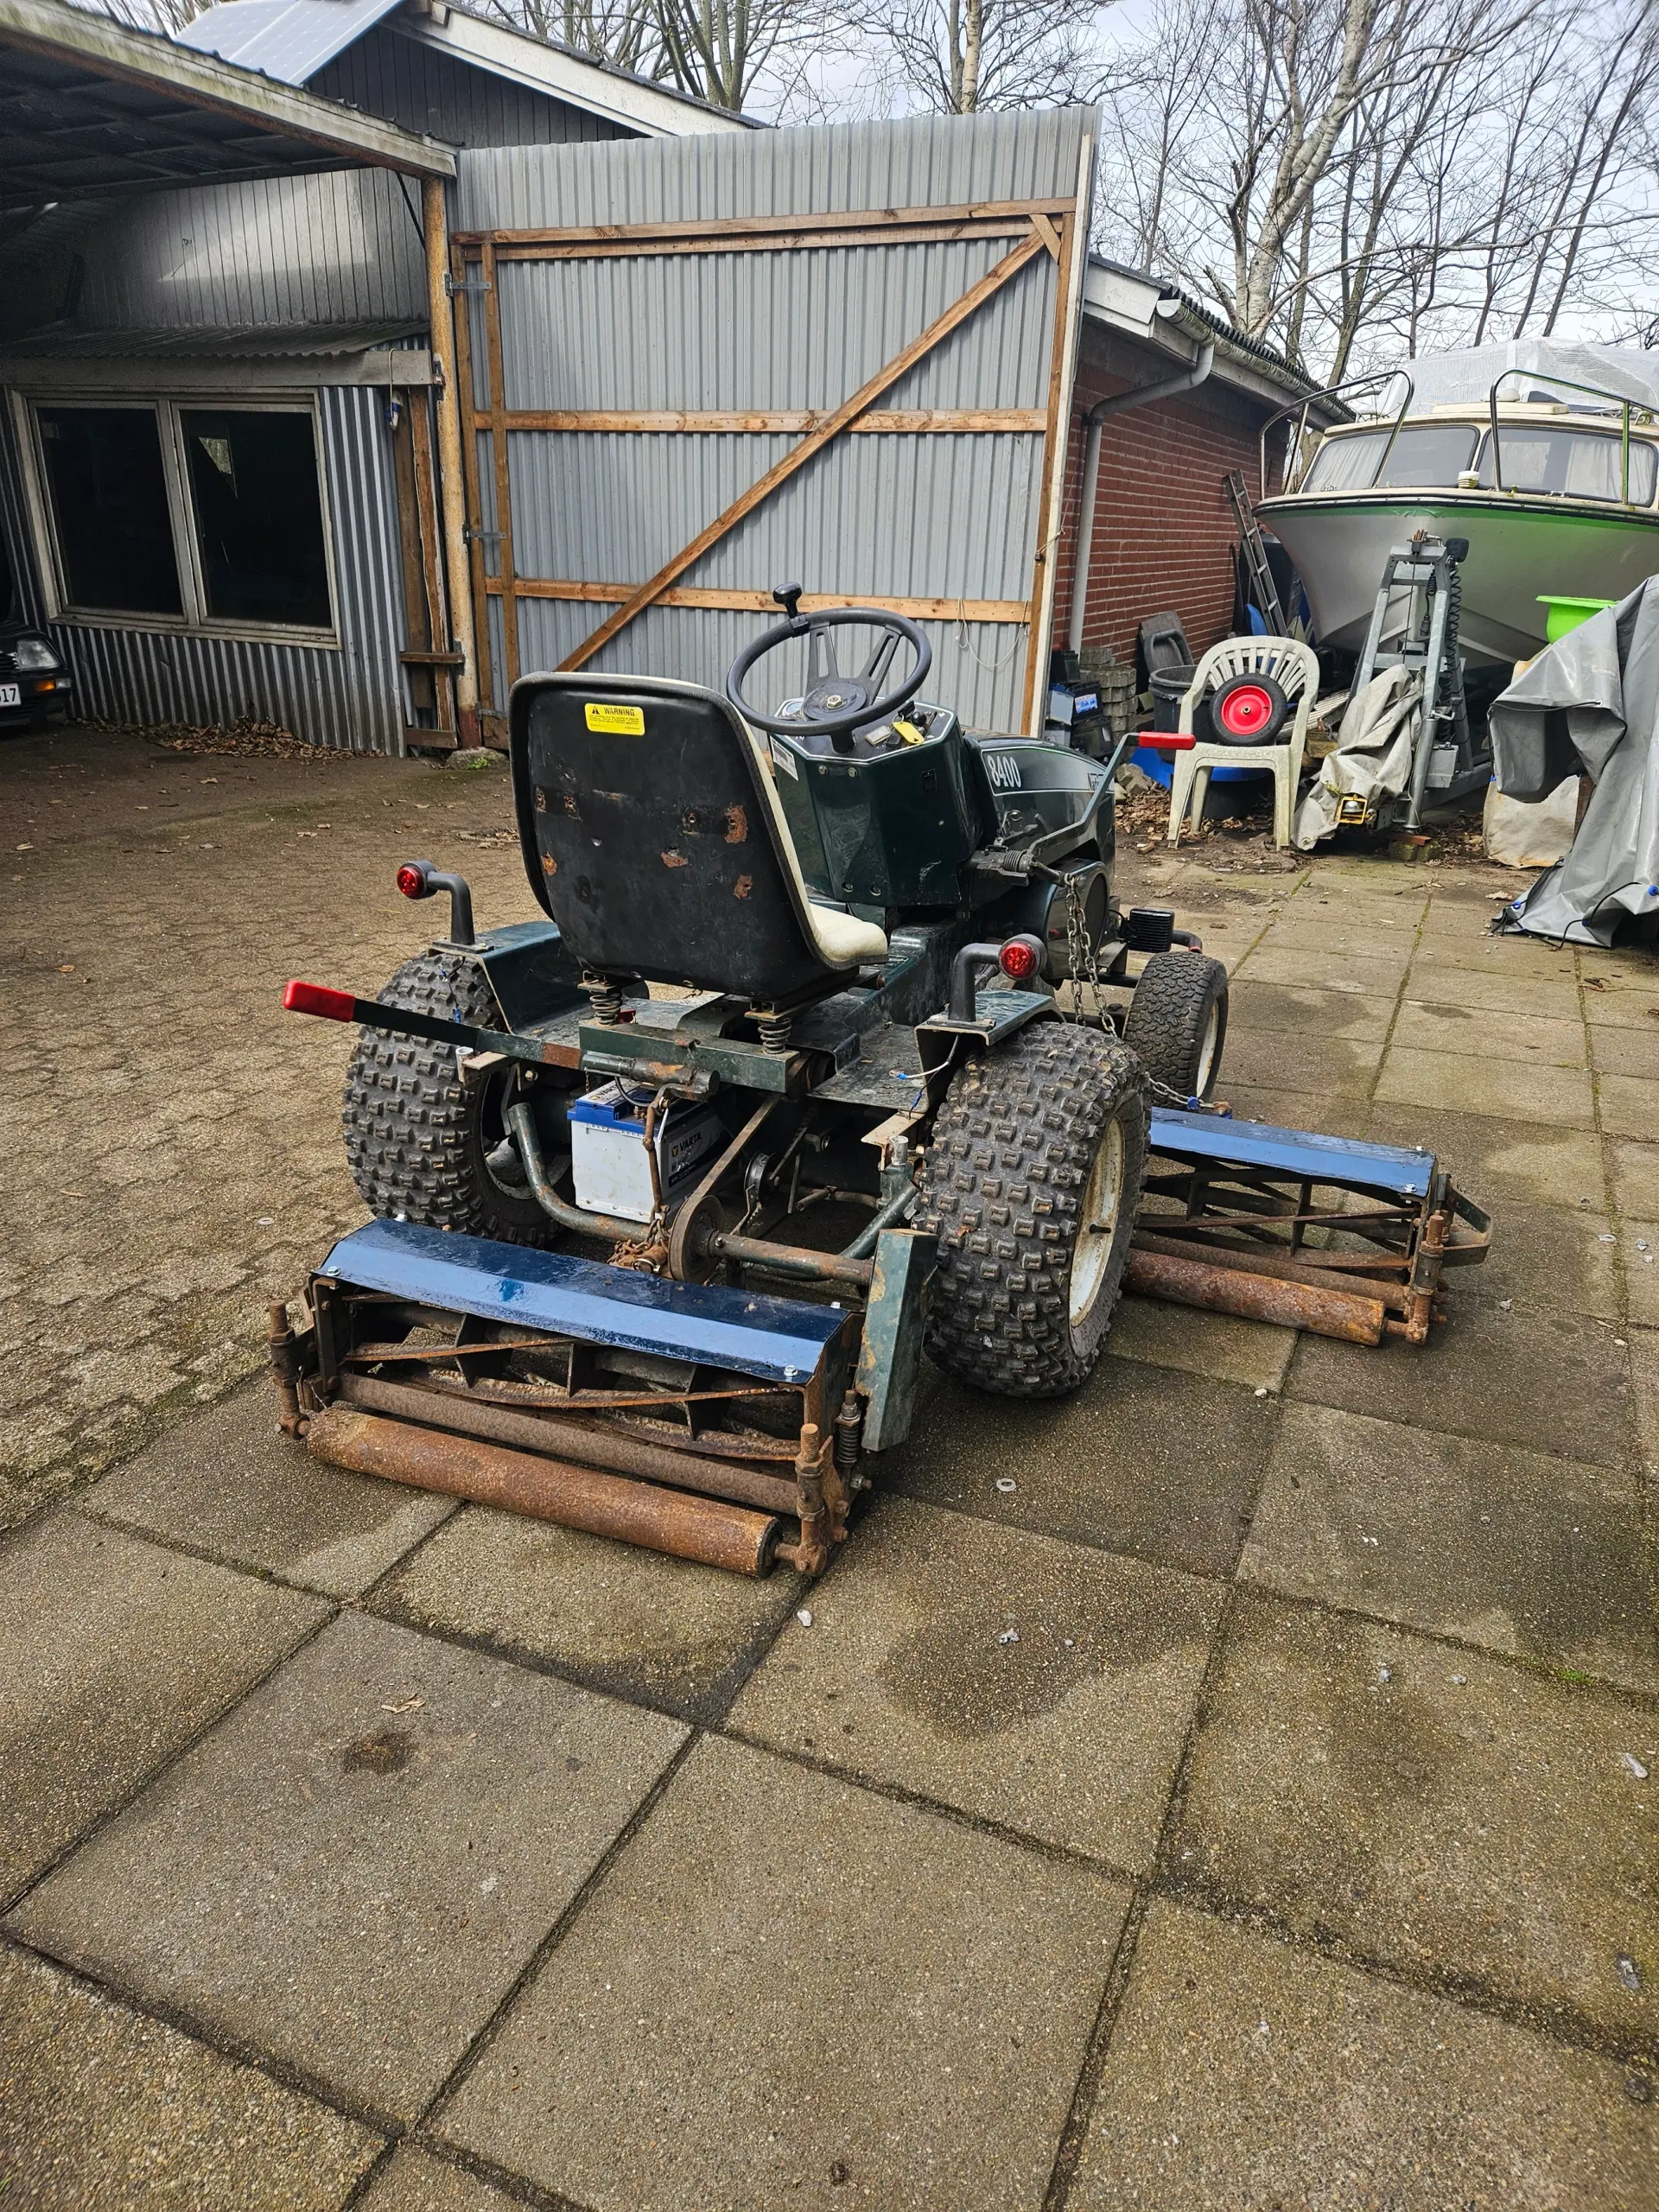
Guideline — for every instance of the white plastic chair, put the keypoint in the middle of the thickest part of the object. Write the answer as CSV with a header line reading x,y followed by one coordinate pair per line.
x,y
1295,668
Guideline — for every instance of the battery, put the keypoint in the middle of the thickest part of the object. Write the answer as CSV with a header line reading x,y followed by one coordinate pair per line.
x,y
607,1150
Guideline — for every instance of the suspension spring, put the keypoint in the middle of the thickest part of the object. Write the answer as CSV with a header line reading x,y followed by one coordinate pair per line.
x,y
606,999
849,1433
774,1030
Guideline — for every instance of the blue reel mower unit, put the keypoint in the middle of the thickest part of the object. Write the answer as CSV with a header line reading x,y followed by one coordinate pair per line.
x,y
831,1048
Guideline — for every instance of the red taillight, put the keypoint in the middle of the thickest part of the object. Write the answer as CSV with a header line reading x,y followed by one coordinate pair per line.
x,y
1018,959
317,998
411,881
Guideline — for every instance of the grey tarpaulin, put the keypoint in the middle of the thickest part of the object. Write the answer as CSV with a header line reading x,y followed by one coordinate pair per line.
x,y
1373,756
1590,705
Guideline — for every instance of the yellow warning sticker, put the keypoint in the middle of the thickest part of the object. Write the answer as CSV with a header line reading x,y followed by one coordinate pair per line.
x,y
621,722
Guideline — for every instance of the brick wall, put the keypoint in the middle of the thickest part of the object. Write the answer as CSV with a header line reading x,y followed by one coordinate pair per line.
x,y
1163,526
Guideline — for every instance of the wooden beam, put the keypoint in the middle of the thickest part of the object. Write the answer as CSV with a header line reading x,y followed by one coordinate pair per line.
x,y
752,241
498,454
427,516
449,358
762,602
470,563
1046,232
731,226
1052,495
957,313
915,422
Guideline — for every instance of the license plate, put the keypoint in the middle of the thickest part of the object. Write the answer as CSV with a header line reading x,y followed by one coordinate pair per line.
x,y
10,695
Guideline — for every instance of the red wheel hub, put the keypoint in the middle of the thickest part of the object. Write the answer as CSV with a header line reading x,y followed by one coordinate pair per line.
x,y
1246,710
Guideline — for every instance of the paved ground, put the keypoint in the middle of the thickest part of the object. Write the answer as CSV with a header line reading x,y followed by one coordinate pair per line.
x,y
362,1851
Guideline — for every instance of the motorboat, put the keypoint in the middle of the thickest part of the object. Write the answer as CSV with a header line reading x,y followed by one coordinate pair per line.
x,y
1543,456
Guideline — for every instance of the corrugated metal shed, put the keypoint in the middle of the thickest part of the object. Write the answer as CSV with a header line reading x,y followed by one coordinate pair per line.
x,y
950,517
244,342
349,695
288,40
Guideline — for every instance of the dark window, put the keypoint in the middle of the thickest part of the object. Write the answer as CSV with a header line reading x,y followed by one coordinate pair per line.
x,y
253,480
108,502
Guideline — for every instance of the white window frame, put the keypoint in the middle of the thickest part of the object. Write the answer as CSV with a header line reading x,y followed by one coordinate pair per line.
x,y
169,408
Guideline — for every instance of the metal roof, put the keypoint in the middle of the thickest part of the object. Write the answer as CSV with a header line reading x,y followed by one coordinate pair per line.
x,y
89,106
289,40
262,341
286,40
1159,305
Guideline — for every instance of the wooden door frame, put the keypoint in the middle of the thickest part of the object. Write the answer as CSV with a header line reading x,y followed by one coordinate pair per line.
x,y
1032,226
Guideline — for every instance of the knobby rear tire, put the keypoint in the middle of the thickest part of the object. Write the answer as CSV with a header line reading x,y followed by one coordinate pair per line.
x,y
415,1135
1002,1186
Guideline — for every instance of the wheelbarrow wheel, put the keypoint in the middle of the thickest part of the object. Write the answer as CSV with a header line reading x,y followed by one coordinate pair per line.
x,y
1031,1184
1177,1023
419,1140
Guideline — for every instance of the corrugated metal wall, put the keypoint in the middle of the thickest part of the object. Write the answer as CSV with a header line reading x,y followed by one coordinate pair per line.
x,y
948,516
385,74
351,696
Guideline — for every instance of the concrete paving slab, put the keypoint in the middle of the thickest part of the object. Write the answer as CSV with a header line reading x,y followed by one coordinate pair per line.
x,y
1037,1684
1626,1051
1376,977
113,1653
1443,1812
1560,1256
1247,2074
414,2181
1218,1345
663,1631
1633,1170
1529,1039
1638,1253
102,2110
1254,1008
1644,1376
1437,979
1494,1160
1550,1381
1629,1105
1295,1060
1470,1083
1517,955
1143,1459
1538,1557
1632,1009
230,1482
349,1874
789,1991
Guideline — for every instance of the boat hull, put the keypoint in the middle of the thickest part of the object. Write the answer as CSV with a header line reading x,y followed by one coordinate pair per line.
x,y
1518,548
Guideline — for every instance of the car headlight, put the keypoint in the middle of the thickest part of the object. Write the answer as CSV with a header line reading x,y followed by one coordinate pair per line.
x,y
34,657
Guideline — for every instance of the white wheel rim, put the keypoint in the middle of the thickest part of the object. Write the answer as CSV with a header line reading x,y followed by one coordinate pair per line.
x,y
1207,1055
1102,1200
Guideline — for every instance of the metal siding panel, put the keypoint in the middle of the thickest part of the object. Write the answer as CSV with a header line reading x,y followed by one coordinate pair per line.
x,y
899,516
351,698
387,74
14,524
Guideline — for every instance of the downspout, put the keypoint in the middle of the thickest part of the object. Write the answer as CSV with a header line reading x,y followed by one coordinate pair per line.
x,y
451,485
1119,403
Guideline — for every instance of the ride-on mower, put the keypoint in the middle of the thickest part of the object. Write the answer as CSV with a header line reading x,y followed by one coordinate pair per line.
x,y
830,1042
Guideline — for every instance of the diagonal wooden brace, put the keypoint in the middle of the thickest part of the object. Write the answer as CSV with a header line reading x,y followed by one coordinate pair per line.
x,y
957,313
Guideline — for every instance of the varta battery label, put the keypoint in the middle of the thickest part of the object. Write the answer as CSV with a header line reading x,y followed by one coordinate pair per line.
x,y
623,721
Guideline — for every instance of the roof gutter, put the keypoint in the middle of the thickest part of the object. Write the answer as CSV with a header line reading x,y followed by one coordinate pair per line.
x,y
1119,403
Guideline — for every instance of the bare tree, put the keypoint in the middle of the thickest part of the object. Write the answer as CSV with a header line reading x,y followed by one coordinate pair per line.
x,y
956,57
1349,178
619,31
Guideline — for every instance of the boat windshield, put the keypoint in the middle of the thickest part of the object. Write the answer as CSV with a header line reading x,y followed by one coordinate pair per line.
x,y
1571,464
1428,458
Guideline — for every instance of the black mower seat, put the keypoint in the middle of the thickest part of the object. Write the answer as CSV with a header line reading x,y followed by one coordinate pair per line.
x,y
653,837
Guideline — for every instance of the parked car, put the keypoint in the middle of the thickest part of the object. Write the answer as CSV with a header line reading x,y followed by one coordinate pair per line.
x,y
34,679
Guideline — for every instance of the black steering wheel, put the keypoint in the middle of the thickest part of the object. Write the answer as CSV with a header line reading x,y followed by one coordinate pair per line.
x,y
834,705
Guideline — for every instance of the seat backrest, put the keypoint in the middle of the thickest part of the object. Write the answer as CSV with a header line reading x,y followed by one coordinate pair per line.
x,y
650,839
